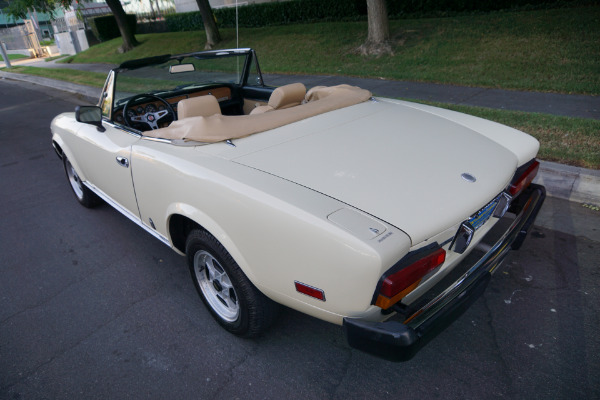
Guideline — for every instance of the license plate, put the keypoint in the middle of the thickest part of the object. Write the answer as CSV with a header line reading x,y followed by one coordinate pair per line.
x,y
483,215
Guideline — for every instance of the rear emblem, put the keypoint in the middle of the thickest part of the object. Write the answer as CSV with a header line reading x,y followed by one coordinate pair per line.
x,y
468,177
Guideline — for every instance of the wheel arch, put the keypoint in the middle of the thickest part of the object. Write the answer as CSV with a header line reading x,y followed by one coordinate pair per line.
x,y
62,150
180,227
58,149
184,219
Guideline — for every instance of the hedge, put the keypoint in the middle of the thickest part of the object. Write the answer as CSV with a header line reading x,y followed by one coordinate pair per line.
x,y
269,14
306,11
290,12
105,27
399,8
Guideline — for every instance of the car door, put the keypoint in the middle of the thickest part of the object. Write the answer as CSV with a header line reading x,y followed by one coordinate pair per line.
x,y
105,158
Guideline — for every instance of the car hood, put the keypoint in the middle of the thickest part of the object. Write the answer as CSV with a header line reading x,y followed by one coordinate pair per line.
x,y
400,164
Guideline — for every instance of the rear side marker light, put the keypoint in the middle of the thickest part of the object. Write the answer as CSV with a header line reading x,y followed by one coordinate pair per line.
x,y
310,290
400,283
520,183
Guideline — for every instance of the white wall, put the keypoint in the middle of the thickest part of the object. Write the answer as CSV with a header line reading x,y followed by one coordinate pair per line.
x,y
64,43
191,5
186,5
83,43
25,52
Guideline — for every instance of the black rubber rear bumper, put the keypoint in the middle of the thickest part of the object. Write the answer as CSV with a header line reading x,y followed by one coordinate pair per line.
x,y
398,341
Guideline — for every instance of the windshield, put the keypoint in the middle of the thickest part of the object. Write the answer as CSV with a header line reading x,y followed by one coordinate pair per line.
x,y
180,74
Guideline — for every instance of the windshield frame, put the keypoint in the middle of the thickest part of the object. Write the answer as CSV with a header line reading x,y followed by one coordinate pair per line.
x,y
250,61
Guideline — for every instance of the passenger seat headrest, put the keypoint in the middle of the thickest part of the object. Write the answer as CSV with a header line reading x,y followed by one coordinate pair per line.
x,y
287,96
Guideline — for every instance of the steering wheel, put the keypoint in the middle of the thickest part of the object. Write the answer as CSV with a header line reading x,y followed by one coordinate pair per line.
x,y
149,118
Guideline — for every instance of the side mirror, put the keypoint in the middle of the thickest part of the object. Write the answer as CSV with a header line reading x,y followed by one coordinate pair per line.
x,y
90,115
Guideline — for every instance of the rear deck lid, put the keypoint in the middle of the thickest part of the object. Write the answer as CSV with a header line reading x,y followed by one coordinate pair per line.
x,y
415,170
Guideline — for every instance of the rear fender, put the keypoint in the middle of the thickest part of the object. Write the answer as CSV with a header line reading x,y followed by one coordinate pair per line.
x,y
211,226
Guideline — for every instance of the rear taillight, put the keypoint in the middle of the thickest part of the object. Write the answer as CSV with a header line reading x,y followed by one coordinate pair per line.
x,y
522,181
397,285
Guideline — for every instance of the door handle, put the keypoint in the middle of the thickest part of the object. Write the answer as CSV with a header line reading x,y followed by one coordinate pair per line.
x,y
123,162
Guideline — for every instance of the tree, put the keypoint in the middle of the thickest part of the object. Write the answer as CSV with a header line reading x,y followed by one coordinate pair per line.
x,y
129,40
20,8
210,26
378,39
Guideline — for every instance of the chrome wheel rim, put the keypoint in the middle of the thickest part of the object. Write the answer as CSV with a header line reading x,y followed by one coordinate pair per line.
x,y
216,286
74,180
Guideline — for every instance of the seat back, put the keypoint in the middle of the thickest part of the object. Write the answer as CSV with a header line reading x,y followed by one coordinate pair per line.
x,y
283,97
201,106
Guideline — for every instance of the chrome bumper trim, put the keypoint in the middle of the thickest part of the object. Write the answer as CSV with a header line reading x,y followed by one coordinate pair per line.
x,y
488,263
399,341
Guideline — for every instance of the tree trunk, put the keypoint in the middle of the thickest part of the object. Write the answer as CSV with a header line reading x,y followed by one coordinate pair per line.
x,y
129,40
378,39
210,27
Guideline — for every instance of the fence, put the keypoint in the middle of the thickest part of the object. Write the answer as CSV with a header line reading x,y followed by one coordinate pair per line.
x,y
70,31
14,37
23,37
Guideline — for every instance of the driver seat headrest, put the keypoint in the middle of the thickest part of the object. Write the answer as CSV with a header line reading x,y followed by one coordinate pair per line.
x,y
201,106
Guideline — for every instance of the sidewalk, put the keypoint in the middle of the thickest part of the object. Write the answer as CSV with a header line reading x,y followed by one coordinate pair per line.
x,y
561,181
548,103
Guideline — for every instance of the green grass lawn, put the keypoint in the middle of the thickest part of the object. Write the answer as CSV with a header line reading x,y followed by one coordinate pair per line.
x,y
573,141
48,59
549,50
96,79
15,56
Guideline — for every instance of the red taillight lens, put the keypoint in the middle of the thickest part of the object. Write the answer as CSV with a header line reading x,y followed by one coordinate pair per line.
x,y
398,281
524,180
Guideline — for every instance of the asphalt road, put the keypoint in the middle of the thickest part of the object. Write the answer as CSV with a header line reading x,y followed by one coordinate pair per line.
x,y
92,307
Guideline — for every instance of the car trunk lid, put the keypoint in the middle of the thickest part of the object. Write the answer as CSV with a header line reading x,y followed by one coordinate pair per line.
x,y
410,168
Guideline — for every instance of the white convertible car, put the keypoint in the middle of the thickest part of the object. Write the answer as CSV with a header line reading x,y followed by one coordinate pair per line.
x,y
383,216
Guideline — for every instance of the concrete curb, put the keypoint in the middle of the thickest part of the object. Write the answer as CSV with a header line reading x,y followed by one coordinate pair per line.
x,y
561,181
84,90
570,183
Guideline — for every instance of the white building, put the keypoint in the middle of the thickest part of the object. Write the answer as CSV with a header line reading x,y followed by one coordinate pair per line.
x,y
191,5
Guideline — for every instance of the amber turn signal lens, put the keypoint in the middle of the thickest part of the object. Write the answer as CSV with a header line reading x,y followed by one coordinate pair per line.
x,y
524,180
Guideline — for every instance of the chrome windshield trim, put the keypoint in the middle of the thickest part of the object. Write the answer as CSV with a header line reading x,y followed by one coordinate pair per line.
x,y
154,139
175,142
122,128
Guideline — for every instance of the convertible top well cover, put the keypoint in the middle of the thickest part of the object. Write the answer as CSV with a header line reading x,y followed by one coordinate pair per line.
x,y
217,128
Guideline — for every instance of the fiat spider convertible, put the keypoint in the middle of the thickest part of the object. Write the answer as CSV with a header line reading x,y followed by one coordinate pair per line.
x,y
382,216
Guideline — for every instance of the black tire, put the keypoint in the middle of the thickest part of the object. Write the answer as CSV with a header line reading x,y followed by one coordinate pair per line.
x,y
234,302
84,196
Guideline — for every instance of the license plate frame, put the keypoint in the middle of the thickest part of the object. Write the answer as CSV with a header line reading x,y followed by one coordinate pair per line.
x,y
480,217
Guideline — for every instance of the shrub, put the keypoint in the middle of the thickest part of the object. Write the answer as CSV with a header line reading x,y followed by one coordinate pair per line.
x,y
306,11
269,14
105,27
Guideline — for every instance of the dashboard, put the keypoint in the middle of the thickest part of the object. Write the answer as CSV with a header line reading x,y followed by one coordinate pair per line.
x,y
223,95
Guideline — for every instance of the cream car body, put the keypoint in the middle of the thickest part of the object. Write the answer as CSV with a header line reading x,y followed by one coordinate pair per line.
x,y
332,201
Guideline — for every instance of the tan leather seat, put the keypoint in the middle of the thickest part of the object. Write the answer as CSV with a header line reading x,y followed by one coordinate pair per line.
x,y
217,128
283,97
201,106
